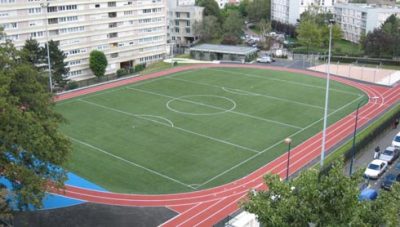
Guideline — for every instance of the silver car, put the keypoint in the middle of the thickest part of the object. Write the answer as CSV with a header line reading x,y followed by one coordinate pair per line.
x,y
390,154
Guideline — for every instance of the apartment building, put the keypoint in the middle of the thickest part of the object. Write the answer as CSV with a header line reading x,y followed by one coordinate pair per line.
x,y
182,16
358,19
129,32
289,11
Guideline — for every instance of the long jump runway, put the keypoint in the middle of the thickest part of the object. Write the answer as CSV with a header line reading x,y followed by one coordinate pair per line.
x,y
209,206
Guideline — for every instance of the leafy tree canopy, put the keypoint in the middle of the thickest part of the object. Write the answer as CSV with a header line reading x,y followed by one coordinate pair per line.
x,y
329,199
30,141
98,63
208,29
211,8
232,26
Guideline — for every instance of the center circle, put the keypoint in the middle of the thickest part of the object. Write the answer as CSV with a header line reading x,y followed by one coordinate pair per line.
x,y
213,103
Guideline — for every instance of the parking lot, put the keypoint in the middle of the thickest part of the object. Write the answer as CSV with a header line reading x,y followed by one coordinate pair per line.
x,y
364,157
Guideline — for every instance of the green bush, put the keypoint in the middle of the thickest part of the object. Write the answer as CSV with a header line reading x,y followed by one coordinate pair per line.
x,y
72,85
140,67
121,72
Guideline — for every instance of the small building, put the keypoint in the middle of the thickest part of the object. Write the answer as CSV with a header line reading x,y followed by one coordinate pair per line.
x,y
211,52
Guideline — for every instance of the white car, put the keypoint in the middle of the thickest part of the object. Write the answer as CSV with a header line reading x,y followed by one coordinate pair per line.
x,y
396,141
375,169
264,59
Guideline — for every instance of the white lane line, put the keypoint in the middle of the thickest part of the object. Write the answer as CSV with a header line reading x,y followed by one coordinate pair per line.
x,y
285,81
130,162
272,146
168,125
244,92
218,108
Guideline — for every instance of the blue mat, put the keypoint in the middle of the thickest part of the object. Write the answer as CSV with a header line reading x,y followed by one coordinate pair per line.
x,y
53,201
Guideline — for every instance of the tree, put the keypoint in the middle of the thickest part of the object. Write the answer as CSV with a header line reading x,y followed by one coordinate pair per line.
x,y
33,53
98,63
211,8
58,65
309,34
259,9
243,6
32,150
378,43
208,29
324,199
337,34
232,27
265,28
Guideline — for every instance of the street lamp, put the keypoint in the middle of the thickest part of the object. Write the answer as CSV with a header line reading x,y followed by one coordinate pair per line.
x,y
288,141
45,6
331,23
353,152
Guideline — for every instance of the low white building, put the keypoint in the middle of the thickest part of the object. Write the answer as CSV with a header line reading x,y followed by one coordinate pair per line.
x,y
289,11
359,19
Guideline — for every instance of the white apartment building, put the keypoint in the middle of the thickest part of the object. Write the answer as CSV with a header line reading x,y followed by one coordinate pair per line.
x,y
289,11
359,19
181,24
129,32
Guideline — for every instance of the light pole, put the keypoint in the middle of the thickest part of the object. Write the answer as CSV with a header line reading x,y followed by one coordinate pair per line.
x,y
331,23
353,149
288,141
45,6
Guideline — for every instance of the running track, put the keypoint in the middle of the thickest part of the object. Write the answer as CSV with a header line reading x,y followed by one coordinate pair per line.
x,y
207,207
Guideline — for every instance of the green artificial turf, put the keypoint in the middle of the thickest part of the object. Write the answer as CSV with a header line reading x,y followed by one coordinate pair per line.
x,y
195,129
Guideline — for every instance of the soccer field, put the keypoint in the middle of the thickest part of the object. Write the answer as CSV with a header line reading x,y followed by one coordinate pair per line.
x,y
195,129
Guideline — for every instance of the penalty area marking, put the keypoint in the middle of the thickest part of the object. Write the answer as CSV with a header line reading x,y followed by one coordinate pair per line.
x,y
131,163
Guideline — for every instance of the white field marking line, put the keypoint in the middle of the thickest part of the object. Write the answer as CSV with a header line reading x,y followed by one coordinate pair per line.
x,y
111,90
285,81
175,127
215,213
216,107
184,98
179,214
244,92
130,162
273,145
155,116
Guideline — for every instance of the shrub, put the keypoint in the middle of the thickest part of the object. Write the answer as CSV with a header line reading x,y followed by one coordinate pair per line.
x,y
121,72
140,67
72,85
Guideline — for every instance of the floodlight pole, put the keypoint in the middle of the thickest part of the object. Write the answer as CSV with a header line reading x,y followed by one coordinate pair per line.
x,y
288,141
331,22
45,6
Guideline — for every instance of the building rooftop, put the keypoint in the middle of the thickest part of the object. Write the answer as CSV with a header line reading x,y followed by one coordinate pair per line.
x,y
226,49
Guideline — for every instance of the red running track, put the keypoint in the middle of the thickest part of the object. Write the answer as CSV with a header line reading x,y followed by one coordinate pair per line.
x,y
207,207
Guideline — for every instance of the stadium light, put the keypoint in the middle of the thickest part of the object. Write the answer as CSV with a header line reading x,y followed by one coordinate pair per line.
x,y
288,141
331,23
45,6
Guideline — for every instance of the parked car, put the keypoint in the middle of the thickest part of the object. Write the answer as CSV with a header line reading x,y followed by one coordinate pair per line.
x,y
264,59
368,194
389,181
375,169
390,154
396,141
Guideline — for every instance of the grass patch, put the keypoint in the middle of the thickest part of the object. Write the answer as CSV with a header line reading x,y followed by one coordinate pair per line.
x,y
195,129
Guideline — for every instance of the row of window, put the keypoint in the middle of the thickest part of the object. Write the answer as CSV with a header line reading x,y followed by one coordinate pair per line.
x,y
151,58
71,30
154,10
74,73
9,26
7,1
150,39
150,20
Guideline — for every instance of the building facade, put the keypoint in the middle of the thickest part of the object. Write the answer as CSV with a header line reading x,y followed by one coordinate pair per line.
x,y
357,20
129,32
289,11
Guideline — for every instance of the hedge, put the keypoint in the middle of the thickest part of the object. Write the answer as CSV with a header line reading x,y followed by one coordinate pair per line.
x,y
364,137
